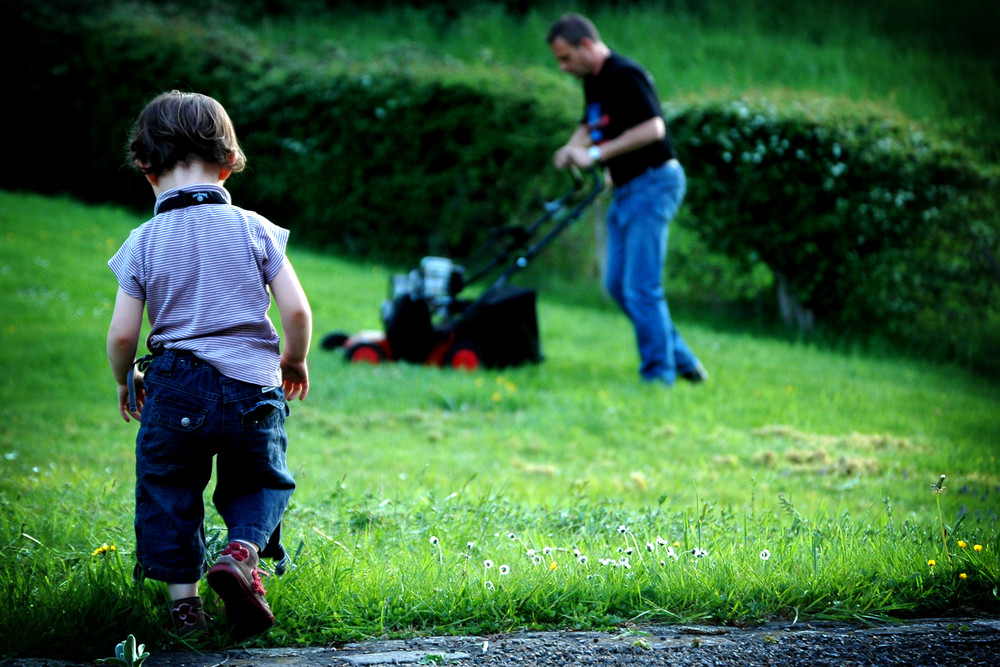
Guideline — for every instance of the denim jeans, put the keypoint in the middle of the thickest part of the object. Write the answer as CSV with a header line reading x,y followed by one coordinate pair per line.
x,y
193,414
638,221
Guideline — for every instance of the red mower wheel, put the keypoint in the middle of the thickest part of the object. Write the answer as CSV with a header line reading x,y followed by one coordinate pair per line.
x,y
365,353
464,356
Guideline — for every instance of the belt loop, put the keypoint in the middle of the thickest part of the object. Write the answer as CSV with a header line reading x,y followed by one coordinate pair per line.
x,y
169,359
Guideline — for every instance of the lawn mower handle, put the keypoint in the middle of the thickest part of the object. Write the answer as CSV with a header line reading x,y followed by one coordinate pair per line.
x,y
596,187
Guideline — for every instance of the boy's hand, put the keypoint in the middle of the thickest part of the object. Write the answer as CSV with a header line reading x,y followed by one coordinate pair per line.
x,y
140,398
294,379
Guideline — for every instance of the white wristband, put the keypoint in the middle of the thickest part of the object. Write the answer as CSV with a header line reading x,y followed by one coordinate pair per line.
x,y
595,153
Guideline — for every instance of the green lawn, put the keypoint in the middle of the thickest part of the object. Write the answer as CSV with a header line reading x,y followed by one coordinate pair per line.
x,y
823,459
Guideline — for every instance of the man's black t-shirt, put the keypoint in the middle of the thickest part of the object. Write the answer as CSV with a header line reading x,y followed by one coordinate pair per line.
x,y
618,98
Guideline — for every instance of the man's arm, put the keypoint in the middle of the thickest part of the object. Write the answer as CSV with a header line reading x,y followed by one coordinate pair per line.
x,y
632,139
296,325
123,340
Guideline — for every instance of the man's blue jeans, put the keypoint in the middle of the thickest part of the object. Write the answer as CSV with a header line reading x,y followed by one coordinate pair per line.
x,y
194,414
638,222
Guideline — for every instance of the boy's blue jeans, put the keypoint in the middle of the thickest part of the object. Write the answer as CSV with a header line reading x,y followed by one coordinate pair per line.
x,y
193,414
638,221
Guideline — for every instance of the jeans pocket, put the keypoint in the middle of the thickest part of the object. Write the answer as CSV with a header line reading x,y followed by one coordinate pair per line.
x,y
177,415
264,413
171,437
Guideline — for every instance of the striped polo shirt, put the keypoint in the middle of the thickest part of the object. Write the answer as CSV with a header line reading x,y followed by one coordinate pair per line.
x,y
203,272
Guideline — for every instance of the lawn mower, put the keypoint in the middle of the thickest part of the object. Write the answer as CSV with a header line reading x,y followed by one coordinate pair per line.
x,y
428,320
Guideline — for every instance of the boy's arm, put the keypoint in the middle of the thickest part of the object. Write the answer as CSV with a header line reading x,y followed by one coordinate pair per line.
x,y
296,324
123,340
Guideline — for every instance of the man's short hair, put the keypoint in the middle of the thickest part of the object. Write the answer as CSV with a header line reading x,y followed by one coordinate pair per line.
x,y
178,126
573,28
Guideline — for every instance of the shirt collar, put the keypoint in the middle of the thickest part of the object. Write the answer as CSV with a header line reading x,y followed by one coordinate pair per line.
x,y
193,190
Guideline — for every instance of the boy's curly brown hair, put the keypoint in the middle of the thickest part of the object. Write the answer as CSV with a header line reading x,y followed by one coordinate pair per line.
x,y
178,126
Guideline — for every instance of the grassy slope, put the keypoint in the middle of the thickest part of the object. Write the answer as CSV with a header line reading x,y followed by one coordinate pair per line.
x,y
584,399
783,436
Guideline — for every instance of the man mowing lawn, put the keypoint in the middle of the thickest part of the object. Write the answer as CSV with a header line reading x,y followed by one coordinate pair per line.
x,y
623,129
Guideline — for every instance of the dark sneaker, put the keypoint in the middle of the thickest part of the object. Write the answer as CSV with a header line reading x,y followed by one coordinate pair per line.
x,y
188,616
696,374
236,579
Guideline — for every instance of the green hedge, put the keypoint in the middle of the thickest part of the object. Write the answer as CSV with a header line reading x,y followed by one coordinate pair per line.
x,y
393,158
872,226
875,227
83,74
399,160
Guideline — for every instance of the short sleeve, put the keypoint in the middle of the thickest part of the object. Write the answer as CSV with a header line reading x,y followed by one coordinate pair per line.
x,y
270,241
128,269
638,96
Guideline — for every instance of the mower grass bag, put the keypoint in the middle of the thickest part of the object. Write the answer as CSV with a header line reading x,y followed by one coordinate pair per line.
x,y
504,328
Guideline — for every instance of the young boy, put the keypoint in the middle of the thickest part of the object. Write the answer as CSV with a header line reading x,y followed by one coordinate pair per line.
x,y
217,382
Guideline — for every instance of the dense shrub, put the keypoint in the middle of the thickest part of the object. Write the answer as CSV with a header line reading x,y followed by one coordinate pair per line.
x,y
393,158
86,73
871,225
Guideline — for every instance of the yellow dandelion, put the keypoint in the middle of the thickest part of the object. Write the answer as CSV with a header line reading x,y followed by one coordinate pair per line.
x,y
978,547
963,576
497,397
104,549
931,562
553,566
962,543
